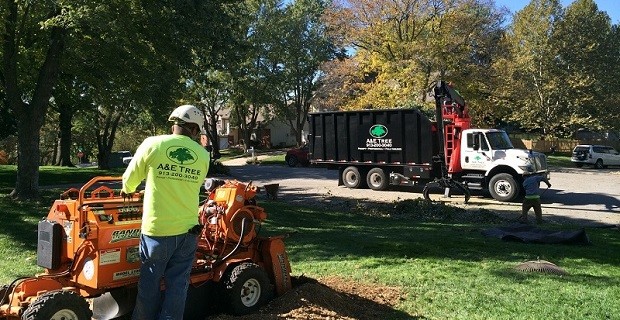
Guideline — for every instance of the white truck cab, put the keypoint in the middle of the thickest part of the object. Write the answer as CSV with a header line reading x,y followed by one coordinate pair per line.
x,y
489,158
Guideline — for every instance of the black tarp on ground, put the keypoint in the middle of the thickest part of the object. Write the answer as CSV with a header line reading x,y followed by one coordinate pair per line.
x,y
531,234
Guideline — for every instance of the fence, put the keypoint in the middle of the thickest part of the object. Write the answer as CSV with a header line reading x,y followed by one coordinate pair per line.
x,y
559,145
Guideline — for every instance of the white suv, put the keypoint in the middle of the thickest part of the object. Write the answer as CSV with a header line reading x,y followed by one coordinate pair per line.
x,y
597,155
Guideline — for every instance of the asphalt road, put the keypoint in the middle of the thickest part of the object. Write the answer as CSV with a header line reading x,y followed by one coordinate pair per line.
x,y
584,196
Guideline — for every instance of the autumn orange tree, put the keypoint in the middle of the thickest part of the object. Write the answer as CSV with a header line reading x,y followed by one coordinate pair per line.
x,y
403,46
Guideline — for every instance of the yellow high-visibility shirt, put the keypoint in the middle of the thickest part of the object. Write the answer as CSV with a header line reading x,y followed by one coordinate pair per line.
x,y
174,166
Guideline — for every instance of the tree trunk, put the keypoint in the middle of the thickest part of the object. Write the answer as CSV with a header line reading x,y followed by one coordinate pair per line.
x,y
56,152
64,146
105,140
214,139
28,154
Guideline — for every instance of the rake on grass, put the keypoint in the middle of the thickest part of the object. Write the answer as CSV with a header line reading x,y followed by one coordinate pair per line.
x,y
540,266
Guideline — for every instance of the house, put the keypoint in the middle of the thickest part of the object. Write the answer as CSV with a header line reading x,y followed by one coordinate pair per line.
x,y
269,133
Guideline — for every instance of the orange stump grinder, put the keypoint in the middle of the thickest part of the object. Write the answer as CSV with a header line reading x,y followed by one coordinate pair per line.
x,y
88,245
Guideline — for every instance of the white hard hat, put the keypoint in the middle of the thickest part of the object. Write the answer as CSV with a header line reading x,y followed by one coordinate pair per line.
x,y
189,114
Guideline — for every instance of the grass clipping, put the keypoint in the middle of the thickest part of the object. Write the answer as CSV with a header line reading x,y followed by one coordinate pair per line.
x,y
414,210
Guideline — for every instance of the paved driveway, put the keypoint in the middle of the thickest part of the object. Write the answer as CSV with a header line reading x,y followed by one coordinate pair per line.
x,y
582,196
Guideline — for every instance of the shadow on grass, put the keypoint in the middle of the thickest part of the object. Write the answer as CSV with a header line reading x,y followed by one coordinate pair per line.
x,y
323,234
20,218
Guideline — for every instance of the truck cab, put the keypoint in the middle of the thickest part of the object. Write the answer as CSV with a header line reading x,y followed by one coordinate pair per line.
x,y
488,158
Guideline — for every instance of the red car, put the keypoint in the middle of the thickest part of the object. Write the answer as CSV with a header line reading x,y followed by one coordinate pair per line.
x,y
297,156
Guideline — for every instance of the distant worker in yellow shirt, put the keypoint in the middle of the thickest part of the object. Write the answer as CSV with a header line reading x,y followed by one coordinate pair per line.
x,y
174,166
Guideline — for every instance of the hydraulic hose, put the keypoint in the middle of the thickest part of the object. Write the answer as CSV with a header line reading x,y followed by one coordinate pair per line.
x,y
238,242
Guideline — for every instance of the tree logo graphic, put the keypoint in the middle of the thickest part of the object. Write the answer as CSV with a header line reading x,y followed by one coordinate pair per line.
x,y
181,155
378,131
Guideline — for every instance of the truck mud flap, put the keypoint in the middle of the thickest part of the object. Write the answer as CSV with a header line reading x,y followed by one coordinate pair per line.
x,y
442,184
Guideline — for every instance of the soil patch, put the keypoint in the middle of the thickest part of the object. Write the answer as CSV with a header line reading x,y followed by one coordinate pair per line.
x,y
329,298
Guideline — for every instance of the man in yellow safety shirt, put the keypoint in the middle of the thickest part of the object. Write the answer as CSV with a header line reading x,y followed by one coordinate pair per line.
x,y
174,166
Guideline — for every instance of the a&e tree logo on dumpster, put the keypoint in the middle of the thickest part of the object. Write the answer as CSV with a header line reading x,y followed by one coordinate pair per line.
x,y
378,131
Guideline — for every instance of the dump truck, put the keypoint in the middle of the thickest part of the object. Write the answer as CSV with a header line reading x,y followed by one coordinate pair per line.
x,y
88,244
403,147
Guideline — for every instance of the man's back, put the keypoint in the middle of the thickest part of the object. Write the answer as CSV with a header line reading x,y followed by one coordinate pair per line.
x,y
174,167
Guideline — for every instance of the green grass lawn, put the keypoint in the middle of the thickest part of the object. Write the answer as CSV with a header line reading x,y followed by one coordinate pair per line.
x,y
449,270
443,265
18,227
274,160
49,175
230,153
559,160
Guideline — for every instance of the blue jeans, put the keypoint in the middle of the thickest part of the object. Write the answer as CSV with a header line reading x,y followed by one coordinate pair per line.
x,y
171,258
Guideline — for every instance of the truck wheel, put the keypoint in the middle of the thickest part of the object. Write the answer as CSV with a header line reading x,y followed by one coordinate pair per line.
x,y
57,305
247,288
351,177
292,161
503,187
376,179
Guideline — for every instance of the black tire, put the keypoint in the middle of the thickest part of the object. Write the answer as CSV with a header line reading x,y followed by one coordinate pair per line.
x,y
351,177
247,288
56,305
292,161
377,179
503,187
4,294
599,164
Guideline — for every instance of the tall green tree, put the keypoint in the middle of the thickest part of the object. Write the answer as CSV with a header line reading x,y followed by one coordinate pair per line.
x,y
581,39
208,80
69,99
305,46
531,91
255,77
210,91
612,80
33,36
554,83
135,68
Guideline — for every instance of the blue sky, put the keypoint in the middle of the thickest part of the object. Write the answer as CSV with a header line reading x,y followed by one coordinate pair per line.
x,y
611,6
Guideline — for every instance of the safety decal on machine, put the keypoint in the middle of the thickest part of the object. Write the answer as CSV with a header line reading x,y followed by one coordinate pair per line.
x,y
126,274
133,254
109,256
